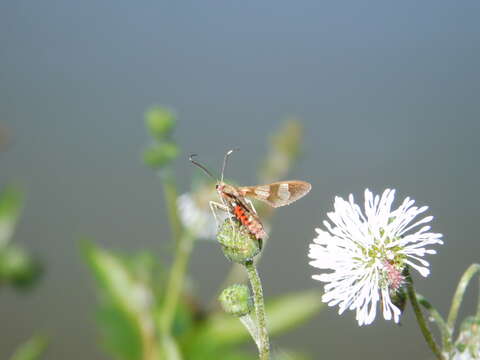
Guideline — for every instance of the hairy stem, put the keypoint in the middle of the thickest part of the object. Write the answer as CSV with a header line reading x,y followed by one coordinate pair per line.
x,y
458,296
427,334
256,284
445,331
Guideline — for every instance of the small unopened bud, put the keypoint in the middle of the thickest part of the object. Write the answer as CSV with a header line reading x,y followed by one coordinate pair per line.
x,y
236,300
160,122
18,267
160,155
238,244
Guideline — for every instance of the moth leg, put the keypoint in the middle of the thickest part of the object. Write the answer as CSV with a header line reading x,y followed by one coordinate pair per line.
x,y
250,203
214,206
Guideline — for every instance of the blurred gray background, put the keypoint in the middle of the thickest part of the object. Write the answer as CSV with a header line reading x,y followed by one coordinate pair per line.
x,y
388,93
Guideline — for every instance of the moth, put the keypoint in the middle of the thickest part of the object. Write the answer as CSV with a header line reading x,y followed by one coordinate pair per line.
x,y
235,200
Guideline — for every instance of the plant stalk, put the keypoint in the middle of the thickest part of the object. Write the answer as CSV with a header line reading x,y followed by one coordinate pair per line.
x,y
171,195
458,296
176,281
183,241
256,284
427,334
445,331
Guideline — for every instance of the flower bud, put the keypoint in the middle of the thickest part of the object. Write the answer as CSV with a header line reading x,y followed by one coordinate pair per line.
x,y
18,267
236,300
160,122
238,244
160,155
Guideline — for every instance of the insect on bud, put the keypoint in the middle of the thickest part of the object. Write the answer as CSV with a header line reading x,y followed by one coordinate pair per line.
x,y
236,300
238,244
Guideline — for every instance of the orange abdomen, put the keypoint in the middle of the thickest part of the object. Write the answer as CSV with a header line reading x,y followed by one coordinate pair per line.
x,y
253,225
240,214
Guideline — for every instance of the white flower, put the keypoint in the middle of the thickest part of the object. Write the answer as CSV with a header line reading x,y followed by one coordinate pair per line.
x,y
367,253
195,212
195,217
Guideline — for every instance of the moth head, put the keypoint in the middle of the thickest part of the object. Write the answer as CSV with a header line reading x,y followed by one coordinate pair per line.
x,y
220,186
225,190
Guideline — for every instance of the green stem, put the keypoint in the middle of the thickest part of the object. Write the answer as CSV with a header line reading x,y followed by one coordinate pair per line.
x,y
478,305
256,284
421,319
441,323
176,281
183,248
170,350
171,195
458,296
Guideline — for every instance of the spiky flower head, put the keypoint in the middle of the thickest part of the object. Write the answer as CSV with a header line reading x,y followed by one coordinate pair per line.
x,y
238,244
367,252
236,300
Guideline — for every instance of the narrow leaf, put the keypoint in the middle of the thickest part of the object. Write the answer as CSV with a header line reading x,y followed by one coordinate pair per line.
x,y
127,316
32,349
11,200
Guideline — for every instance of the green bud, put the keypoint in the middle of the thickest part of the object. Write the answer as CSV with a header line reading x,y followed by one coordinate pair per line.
x,y
238,244
160,155
160,122
236,300
17,267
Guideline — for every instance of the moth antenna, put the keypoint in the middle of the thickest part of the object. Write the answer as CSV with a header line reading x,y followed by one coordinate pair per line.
x,y
190,158
229,152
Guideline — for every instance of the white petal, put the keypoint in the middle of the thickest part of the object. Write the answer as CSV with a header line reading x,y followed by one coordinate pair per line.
x,y
350,238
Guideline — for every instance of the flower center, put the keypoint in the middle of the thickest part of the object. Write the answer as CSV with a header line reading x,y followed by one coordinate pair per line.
x,y
387,259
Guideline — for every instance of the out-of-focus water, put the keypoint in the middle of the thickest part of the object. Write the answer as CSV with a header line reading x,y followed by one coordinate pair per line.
x,y
388,94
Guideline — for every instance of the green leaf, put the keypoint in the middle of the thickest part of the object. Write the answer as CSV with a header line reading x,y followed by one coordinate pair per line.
x,y
32,349
209,349
292,310
120,335
11,200
283,313
290,355
232,355
127,315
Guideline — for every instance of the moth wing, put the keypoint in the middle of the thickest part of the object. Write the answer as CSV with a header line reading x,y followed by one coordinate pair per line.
x,y
279,193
